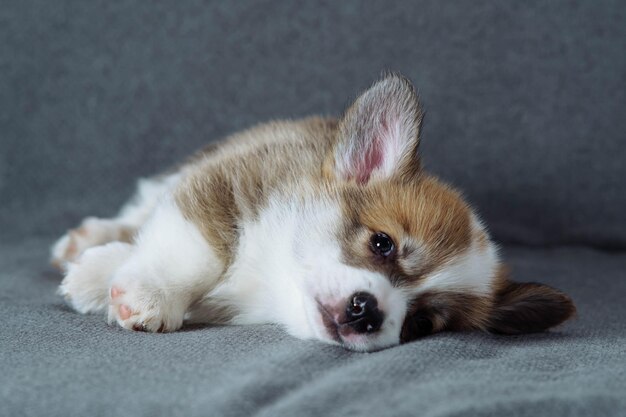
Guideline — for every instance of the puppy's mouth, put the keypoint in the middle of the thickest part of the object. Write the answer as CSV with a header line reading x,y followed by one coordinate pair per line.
x,y
331,326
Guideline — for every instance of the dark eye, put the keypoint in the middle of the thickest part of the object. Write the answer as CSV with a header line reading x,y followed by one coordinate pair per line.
x,y
382,244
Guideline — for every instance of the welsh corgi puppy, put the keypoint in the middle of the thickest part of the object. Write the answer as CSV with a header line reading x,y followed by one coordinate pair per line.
x,y
329,227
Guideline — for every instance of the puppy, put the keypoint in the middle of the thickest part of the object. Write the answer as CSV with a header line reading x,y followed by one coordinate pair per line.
x,y
328,227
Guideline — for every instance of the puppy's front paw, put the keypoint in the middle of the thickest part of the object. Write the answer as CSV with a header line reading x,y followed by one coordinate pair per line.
x,y
139,307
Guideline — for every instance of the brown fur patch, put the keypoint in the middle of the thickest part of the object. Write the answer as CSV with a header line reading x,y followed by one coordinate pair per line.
x,y
229,184
528,307
209,202
127,234
436,311
427,220
481,239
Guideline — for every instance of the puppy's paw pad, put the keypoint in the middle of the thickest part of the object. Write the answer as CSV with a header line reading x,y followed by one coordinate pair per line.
x,y
143,310
116,292
124,312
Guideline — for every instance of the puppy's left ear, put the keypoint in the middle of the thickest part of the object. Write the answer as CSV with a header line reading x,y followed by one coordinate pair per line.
x,y
379,134
528,308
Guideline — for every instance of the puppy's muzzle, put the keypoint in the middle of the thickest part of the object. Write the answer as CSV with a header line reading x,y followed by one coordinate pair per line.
x,y
358,316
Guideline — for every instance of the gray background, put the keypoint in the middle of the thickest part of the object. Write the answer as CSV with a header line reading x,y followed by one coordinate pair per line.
x,y
525,101
525,113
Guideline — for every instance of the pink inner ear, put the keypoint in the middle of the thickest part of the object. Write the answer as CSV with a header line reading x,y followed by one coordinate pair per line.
x,y
374,154
372,159
377,148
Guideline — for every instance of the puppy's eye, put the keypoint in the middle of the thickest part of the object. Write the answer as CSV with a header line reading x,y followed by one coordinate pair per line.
x,y
381,244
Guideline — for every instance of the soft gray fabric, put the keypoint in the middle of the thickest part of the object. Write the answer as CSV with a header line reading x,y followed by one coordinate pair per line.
x,y
58,363
525,100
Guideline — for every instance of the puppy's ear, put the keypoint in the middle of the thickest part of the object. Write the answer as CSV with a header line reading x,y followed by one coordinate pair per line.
x,y
528,308
379,133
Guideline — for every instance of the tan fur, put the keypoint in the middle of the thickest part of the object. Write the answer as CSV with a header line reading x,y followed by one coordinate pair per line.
x,y
481,238
427,220
230,183
127,234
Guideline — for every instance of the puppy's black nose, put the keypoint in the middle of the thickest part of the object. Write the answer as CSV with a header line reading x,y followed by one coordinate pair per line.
x,y
363,314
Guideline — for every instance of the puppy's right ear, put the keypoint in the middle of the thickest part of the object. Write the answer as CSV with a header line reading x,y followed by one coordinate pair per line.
x,y
528,307
379,134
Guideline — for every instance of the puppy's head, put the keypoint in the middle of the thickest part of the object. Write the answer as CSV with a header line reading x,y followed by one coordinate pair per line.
x,y
403,255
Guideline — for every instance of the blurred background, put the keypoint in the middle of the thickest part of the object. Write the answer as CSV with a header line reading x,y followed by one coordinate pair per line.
x,y
525,101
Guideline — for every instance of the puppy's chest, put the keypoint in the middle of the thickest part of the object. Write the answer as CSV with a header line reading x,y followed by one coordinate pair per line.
x,y
263,268
276,252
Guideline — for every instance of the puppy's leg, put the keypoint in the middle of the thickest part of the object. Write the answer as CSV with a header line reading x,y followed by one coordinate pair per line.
x,y
86,284
95,231
91,232
171,267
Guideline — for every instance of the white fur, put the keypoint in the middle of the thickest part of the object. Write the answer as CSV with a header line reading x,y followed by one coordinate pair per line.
x,y
288,259
393,144
94,231
149,193
86,283
169,267
472,271
396,145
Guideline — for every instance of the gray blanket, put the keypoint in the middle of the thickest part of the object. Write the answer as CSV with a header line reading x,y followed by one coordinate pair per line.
x,y
58,363
525,112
